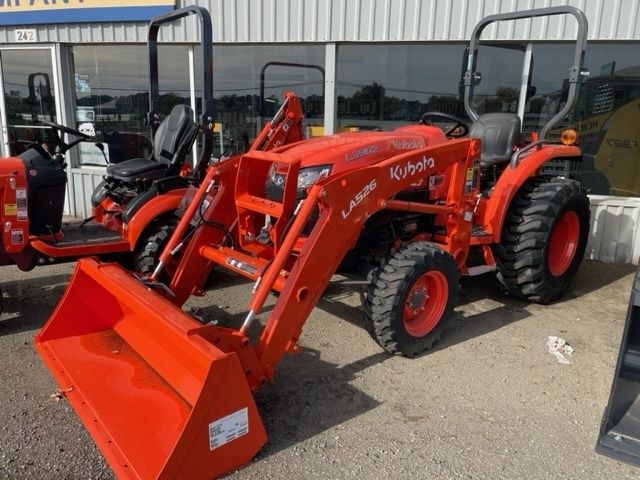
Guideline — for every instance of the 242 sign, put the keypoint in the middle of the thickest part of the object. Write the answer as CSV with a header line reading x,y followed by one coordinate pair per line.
x,y
26,35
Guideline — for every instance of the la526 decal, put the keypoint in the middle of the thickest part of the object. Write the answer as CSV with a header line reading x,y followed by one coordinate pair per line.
x,y
359,197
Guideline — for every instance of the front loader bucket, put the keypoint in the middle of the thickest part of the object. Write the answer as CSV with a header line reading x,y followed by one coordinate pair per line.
x,y
620,429
159,400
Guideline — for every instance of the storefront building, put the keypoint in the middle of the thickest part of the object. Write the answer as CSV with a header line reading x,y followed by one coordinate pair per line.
x,y
359,64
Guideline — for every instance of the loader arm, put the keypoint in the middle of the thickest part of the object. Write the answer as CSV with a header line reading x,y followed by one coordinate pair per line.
x,y
303,263
284,128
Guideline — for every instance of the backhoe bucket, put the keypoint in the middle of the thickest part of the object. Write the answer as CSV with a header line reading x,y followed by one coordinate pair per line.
x,y
620,429
160,401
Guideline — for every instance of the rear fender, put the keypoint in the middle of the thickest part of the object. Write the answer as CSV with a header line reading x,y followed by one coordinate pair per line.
x,y
154,208
513,178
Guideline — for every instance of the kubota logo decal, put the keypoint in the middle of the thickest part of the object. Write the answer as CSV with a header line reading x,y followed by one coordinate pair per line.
x,y
360,196
400,172
407,144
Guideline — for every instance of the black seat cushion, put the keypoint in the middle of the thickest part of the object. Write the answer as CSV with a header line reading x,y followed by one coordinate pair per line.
x,y
500,133
136,168
171,143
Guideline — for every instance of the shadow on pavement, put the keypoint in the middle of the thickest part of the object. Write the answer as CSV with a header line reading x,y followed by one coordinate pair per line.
x,y
311,396
28,303
594,275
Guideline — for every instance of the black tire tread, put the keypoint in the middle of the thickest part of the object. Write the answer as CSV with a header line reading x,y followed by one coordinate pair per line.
x,y
146,257
388,289
521,255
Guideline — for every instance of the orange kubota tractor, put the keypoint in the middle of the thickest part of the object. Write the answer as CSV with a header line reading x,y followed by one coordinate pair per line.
x,y
167,395
134,206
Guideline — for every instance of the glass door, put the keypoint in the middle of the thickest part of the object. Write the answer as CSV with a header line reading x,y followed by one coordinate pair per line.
x,y
29,92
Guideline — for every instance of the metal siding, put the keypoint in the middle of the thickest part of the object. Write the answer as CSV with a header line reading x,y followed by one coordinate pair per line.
x,y
361,20
85,180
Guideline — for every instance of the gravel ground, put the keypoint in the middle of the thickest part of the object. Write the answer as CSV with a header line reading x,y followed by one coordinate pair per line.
x,y
489,402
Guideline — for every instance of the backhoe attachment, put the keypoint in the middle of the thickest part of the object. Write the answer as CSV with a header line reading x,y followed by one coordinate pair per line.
x,y
620,429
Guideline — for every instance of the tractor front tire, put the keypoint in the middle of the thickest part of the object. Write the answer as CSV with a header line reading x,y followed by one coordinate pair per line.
x,y
411,298
544,237
150,246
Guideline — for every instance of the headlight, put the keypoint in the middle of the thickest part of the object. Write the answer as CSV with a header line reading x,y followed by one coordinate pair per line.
x,y
275,178
311,175
306,178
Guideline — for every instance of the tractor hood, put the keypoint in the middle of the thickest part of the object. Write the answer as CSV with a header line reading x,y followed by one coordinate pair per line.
x,y
357,149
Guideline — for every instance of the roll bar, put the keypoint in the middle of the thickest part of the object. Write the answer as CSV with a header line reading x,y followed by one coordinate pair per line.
x,y
285,64
472,78
208,114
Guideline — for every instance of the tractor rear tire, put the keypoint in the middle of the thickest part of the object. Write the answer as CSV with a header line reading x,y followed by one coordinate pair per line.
x,y
151,245
411,298
544,237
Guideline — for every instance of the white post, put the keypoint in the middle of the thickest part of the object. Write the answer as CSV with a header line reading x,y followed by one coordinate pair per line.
x,y
64,88
194,102
330,88
4,142
526,69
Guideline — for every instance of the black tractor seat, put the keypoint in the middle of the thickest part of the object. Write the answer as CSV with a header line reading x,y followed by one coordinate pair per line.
x,y
171,143
500,133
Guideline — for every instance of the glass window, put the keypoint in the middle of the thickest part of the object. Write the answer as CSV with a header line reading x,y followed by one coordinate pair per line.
x,y
29,96
548,84
384,86
501,70
607,118
236,88
111,89
606,115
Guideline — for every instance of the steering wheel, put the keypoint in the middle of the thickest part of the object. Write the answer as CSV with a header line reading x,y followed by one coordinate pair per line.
x,y
65,129
458,123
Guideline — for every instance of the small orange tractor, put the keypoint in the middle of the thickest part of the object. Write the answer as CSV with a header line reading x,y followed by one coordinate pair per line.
x,y
134,206
169,395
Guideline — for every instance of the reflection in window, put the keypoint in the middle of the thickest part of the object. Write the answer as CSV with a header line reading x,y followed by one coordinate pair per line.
x,y
111,88
607,117
236,89
29,96
501,69
383,86
549,85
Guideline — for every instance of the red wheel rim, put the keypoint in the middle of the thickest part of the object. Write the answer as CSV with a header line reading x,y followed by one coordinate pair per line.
x,y
563,243
425,303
